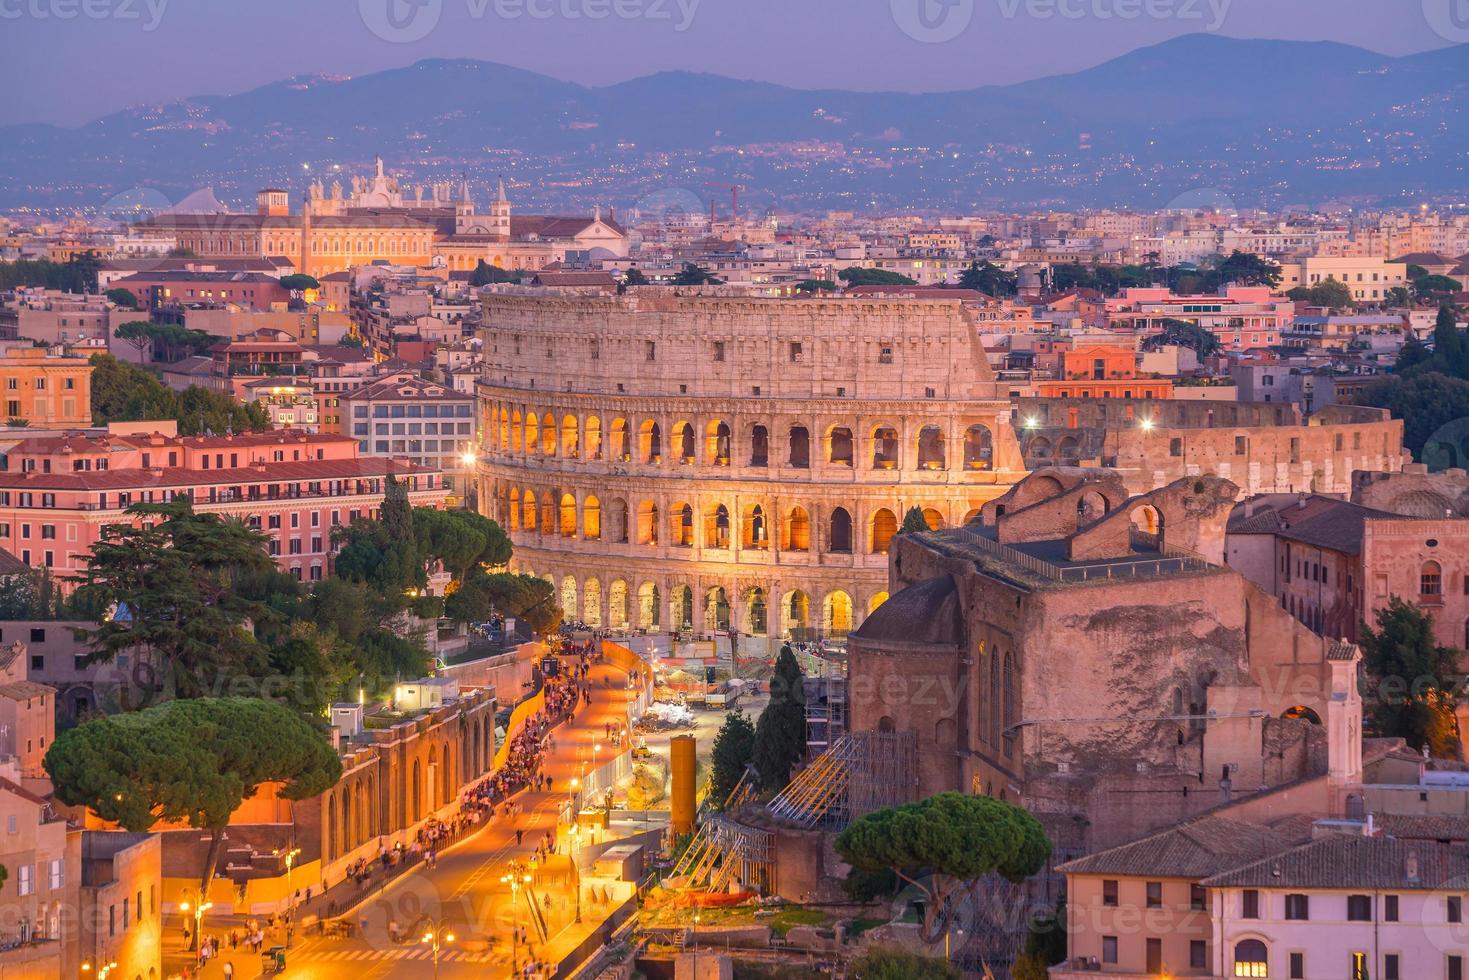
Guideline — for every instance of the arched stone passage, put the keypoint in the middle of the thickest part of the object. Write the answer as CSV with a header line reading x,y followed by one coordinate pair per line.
x,y
933,519
931,450
681,601
755,533
795,610
568,596
650,442
836,614
800,448
681,519
840,540
760,446
717,443
979,448
884,448
716,609
591,606
796,534
568,516
878,598
591,519
647,523
884,527
617,522
650,606
683,443
593,437
757,615
716,527
621,448
839,446
570,444
617,604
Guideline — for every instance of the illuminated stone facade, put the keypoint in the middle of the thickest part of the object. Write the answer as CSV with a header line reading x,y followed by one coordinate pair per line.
x,y
705,459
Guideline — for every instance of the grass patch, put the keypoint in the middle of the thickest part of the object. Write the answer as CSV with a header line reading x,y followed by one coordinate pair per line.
x,y
857,927
787,919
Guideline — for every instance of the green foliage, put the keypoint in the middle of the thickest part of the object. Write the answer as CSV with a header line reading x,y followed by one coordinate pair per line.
x,y
1424,400
523,596
1329,293
1046,938
696,275
899,964
191,762
734,750
780,734
35,595
460,539
858,276
914,522
299,283
989,279
1182,333
124,298
124,393
1248,269
1029,966
77,275
1412,678
816,286
634,277
1397,296
1437,287
863,885
170,341
485,274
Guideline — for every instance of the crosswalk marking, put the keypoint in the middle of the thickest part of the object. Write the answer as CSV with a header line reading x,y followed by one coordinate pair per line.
x,y
369,955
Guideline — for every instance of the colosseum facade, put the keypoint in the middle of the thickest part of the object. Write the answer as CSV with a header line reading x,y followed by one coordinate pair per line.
x,y
702,460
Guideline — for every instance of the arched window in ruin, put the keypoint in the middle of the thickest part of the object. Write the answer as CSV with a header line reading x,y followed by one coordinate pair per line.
x,y
884,526
1011,704
836,614
800,446
683,443
717,443
504,443
591,519
1430,579
1039,448
570,444
878,598
548,435
840,541
512,508
1068,450
996,700
1091,507
593,437
591,603
756,532
617,522
716,527
1147,528
549,504
933,519
621,449
617,604
795,612
650,606
839,446
648,523
716,609
886,724
568,516
797,531
682,600
931,448
682,516
979,448
884,448
532,432
568,596
530,511
650,442
757,615
759,446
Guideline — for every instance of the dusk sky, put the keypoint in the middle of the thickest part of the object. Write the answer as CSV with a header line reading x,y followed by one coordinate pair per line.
x,y
72,70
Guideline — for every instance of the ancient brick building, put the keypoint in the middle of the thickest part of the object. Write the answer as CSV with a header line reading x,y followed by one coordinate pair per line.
x,y
705,459
1261,447
1085,652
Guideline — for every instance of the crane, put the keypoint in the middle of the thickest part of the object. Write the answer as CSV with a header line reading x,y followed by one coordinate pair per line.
x,y
734,199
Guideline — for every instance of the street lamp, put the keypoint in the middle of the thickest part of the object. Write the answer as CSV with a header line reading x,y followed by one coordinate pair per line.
x,y
290,859
200,907
575,834
694,942
437,937
514,882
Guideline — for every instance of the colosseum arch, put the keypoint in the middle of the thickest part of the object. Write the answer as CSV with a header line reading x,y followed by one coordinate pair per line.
x,y
878,598
800,447
621,447
1039,448
517,431
979,448
569,442
836,613
591,603
1147,526
593,437
795,612
550,504
512,508
716,527
530,511
933,519
885,448
757,612
591,519
568,596
1068,450
617,604
532,433
716,609
759,446
548,435
839,541
504,427
931,448
796,532
681,525
567,524
648,523
650,606
717,443
884,527
681,606
839,446
755,528
682,444
617,522
1092,506
650,442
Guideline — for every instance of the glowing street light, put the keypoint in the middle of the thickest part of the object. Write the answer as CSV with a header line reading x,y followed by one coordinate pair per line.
x,y
1146,425
437,937
469,458
200,907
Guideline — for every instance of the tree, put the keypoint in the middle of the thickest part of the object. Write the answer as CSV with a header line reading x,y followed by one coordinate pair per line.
x,y
1448,343
127,393
780,734
30,595
460,539
124,298
1437,287
485,274
990,279
1029,966
858,276
945,843
191,762
168,339
1249,269
1412,678
914,522
299,283
1184,333
1413,355
1426,400
170,579
881,963
696,275
734,750
634,277
816,286
1397,296
137,333
1332,294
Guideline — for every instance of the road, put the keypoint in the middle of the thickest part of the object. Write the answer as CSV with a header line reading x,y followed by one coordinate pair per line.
x,y
464,894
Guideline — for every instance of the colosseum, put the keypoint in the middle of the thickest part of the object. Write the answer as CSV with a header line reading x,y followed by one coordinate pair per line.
x,y
702,460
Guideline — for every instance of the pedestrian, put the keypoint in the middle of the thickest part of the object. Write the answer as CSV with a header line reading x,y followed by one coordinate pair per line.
x,y
519,837
229,970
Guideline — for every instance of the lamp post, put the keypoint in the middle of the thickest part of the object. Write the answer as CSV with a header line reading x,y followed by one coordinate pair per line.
x,y
694,942
436,938
200,907
575,834
514,882
290,859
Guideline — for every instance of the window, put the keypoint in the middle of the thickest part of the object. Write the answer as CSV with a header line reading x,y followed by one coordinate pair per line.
x,y
652,350
55,874
1390,969
25,882
1250,959
1298,966
1155,894
1197,897
1389,908
719,350
1109,892
1154,953
1298,907
1359,908
1430,579
1455,909
1456,968
1250,904
1109,949
1198,954
796,350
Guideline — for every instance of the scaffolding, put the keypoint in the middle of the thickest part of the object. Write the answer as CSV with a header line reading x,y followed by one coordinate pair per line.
x,y
861,772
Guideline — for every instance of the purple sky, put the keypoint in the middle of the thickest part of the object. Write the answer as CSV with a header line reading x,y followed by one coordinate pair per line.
x,y
74,69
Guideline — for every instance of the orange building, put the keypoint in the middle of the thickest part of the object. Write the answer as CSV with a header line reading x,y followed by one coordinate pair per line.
x,y
45,391
1102,371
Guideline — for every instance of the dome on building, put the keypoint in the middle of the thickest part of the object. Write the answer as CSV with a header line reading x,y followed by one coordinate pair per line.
x,y
928,612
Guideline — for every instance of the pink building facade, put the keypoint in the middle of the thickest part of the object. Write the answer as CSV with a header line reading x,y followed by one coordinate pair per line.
x,y
1244,317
